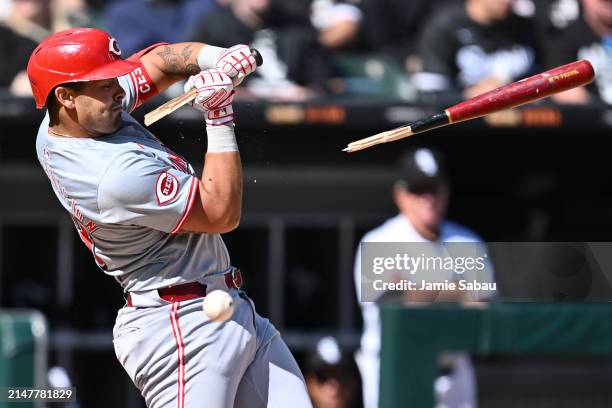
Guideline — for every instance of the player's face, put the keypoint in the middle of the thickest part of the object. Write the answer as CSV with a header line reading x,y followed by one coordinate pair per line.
x,y
257,6
426,208
330,393
497,9
98,106
600,9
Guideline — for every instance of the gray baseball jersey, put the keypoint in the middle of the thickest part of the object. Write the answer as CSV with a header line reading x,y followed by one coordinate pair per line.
x,y
126,192
128,196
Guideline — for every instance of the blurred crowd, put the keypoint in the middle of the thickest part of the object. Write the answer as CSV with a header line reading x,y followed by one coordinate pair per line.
x,y
315,48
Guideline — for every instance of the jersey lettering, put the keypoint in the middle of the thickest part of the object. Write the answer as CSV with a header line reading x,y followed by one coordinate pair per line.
x,y
141,80
179,163
91,226
88,241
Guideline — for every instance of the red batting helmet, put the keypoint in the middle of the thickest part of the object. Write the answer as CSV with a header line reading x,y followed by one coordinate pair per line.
x,y
74,55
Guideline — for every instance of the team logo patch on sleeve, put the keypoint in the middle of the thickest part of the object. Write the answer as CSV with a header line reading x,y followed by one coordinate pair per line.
x,y
167,188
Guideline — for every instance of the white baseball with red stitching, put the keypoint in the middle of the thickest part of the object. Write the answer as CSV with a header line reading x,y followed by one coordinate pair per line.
x,y
215,94
237,62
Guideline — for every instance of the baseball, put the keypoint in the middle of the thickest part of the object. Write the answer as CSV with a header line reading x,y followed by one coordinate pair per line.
x,y
218,305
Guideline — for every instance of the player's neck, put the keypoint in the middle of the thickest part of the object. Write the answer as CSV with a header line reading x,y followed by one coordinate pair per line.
x,y
64,125
69,131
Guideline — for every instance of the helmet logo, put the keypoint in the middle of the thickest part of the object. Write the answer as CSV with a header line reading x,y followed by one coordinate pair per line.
x,y
113,47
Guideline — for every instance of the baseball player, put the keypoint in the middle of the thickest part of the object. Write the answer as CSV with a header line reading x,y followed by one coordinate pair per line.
x,y
154,225
421,194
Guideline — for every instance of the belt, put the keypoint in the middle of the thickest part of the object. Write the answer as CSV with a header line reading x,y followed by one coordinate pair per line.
x,y
193,290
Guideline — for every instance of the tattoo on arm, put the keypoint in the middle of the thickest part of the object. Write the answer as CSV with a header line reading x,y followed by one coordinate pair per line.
x,y
177,63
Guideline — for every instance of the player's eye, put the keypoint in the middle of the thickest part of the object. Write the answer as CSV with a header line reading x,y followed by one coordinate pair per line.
x,y
107,84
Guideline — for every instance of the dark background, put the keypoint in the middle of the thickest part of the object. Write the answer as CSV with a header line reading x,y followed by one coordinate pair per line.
x,y
306,205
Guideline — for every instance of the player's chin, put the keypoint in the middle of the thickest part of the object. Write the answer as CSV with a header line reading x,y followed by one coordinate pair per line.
x,y
116,118
111,124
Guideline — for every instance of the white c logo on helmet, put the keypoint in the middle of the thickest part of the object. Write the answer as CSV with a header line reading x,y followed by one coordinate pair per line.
x,y
113,47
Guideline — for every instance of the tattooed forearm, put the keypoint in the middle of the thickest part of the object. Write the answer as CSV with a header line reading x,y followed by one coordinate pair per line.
x,y
178,60
186,53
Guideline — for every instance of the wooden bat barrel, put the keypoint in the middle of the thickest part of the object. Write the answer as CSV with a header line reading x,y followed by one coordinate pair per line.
x,y
526,90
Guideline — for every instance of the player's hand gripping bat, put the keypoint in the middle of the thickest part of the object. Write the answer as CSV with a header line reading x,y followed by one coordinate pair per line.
x,y
175,103
526,90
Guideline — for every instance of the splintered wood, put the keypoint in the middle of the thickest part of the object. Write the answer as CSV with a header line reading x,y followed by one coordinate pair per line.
x,y
384,137
169,107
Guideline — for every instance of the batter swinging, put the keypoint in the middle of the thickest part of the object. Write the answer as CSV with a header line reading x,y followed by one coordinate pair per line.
x,y
152,224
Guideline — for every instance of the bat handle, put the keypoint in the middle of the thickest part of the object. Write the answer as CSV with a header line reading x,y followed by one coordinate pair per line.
x,y
237,80
190,95
257,56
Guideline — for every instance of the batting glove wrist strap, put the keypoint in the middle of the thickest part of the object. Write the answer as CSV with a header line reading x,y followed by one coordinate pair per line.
x,y
208,56
222,115
221,138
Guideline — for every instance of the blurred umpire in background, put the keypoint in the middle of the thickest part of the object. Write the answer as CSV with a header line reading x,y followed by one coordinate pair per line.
x,y
421,193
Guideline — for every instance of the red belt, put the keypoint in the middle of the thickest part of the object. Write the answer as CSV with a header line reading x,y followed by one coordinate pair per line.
x,y
193,290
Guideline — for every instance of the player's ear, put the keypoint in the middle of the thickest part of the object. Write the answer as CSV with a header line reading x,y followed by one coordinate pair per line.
x,y
65,96
399,188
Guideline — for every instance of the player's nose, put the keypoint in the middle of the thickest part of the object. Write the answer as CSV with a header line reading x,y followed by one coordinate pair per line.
x,y
119,94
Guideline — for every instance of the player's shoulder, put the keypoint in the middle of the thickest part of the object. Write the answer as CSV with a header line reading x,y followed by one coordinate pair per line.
x,y
126,176
388,231
130,159
454,232
131,143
